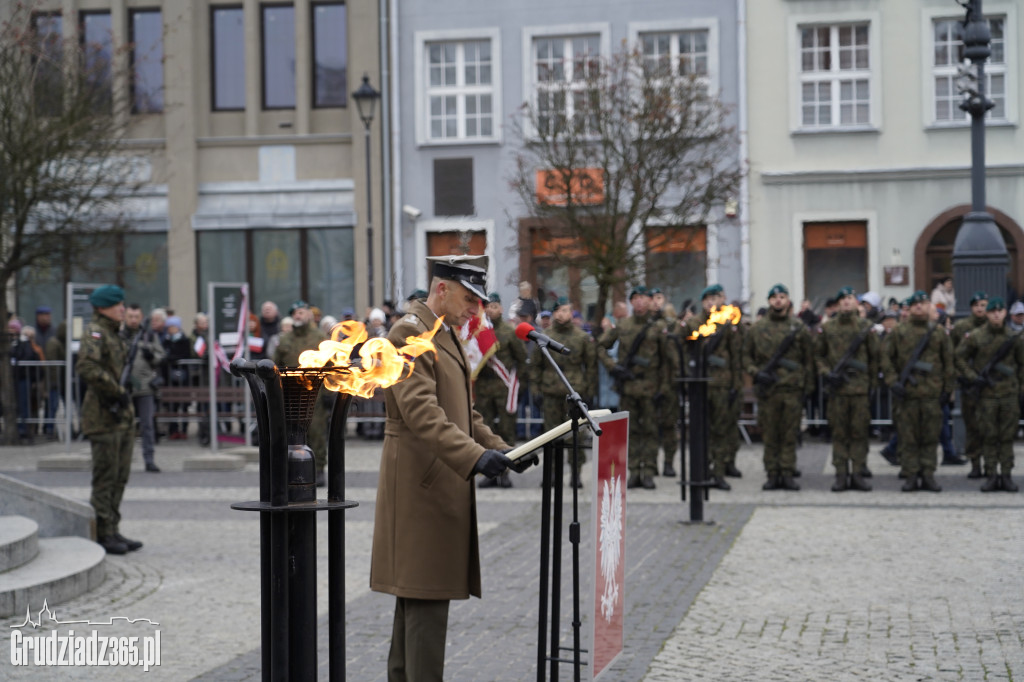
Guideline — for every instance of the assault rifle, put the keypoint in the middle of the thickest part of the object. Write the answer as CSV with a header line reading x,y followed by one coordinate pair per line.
x,y
913,363
766,377
984,376
621,372
839,374
125,381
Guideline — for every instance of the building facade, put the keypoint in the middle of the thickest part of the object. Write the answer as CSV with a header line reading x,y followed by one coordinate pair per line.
x,y
252,149
859,154
466,68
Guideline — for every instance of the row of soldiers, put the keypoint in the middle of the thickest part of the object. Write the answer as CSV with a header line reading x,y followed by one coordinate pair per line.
x,y
918,361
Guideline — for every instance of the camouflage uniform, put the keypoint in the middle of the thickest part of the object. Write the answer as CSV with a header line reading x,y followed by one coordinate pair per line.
x,y
302,338
998,409
920,411
724,368
579,367
652,370
779,406
849,406
668,408
107,421
969,400
490,392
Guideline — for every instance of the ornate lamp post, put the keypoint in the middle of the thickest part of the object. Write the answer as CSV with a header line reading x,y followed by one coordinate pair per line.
x,y
980,259
366,100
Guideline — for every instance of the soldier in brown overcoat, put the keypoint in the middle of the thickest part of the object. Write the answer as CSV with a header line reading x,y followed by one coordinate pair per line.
x,y
425,544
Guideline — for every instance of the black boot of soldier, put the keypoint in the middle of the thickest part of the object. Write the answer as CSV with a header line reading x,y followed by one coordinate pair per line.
x,y
975,469
841,483
732,472
786,482
929,483
720,483
668,471
1008,484
992,484
772,483
910,485
864,471
857,482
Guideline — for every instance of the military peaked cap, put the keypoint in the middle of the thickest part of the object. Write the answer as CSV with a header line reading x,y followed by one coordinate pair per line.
x,y
459,269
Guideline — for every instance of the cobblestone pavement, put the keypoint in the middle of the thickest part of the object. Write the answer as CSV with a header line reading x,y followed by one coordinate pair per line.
x,y
803,586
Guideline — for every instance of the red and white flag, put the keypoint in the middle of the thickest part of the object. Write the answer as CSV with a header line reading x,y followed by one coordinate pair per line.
x,y
481,343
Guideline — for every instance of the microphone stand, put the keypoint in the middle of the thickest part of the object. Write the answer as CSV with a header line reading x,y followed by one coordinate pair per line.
x,y
577,409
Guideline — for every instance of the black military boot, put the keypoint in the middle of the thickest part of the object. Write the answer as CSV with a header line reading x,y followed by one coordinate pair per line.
x,y
112,545
720,483
975,469
772,483
864,471
668,471
504,480
732,472
857,482
910,485
786,482
132,545
1008,484
992,484
841,482
634,481
647,482
929,483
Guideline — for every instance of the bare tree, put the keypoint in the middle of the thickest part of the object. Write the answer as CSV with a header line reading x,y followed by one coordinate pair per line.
x,y
64,176
616,154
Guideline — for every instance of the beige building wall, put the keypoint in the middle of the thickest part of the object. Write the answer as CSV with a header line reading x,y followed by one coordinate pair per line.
x,y
898,172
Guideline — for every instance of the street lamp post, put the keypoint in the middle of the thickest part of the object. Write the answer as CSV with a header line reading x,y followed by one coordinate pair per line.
x,y
979,254
366,101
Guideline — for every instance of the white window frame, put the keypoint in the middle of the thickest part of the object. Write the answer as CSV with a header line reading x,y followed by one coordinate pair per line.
x,y
638,29
1011,76
796,24
568,32
422,40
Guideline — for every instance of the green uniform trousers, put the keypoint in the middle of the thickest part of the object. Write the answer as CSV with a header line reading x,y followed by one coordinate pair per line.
x,y
555,409
849,417
418,640
778,417
316,437
997,423
668,426
491,406
918,427
972,433
111,466
722,430
643,434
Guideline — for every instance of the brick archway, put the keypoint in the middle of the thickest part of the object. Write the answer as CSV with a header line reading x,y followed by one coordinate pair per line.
x,y
929,255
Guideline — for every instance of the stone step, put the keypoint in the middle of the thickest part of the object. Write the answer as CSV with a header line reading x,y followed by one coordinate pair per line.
x,y
19,541
213,462
64,568
64,462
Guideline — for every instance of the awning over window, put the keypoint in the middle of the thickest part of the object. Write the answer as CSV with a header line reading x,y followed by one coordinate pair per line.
x,y
247,205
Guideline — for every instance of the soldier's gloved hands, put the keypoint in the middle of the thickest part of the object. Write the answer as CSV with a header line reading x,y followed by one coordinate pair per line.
x,y
492,463
980,382
523,463
833,380
621,373
898,391
148,354
764,379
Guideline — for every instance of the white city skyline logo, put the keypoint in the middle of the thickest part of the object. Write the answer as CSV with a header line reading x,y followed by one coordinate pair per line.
x,y
51,616
610,540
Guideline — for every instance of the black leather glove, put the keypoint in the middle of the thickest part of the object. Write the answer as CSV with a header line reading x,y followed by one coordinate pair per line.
x,y
492,463
621,373
148,354
898,391
764,379
525,462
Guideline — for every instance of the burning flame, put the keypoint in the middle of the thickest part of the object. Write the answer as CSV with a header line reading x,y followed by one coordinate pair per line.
x,y
380,364
727,314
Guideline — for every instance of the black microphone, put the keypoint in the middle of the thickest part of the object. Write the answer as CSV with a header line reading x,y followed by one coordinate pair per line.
x,y
526,331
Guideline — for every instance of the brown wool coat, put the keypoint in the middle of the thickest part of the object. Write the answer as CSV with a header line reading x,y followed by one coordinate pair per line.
x,y
425,543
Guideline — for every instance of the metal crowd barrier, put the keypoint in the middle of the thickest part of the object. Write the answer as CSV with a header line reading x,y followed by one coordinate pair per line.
x,y
39,390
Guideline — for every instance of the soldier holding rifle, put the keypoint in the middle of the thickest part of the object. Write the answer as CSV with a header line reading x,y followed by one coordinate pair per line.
x,y
969,400
917,364
778,354
107,415
990,361
846,353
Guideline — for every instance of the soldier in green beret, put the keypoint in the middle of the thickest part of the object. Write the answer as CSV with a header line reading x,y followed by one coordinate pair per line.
x,y
846,353
969,399
579,367
990,361
778,355
495,382
108,419
643,375
928,381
